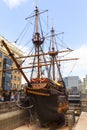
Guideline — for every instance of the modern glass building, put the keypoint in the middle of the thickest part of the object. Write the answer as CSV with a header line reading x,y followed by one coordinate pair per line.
x,y
6,77
72,83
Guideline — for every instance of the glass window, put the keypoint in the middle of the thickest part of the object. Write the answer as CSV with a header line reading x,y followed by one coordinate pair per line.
x,y
8,75
15,71
14,77
8,66
11,85
14,85
0,64
6,57
18,78
3,74
0,54
11,76
18,71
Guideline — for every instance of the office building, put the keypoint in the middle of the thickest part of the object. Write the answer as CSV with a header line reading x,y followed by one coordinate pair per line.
x,y
72,83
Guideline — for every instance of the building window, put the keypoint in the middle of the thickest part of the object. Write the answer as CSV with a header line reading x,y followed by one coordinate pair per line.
x,y
11,85
14,77
11,76
3,74
8,75
0,54
15,71
8,66
18,71
18,78
18,85
14,86
0,64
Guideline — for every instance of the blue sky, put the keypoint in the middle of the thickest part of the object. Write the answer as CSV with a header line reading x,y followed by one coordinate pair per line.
x,y
68,16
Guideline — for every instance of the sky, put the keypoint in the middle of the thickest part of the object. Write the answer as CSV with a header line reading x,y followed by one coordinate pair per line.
x,y
68,16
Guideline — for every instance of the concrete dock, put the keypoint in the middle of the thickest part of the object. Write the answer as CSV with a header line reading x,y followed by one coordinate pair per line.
x,y
35,127
82,122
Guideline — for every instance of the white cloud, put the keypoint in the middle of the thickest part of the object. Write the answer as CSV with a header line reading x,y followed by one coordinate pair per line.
x,y
82,62
79,67
14,3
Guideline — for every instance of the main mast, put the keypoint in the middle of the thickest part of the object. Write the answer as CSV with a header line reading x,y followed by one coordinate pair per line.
x,y
37,40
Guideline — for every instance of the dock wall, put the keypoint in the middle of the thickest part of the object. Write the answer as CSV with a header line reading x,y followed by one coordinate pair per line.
x,y
12,117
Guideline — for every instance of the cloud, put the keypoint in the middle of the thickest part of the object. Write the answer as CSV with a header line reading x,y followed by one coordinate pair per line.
x,y
82,62
14,3
79,67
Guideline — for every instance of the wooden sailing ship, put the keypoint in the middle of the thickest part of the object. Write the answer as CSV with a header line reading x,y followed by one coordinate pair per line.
x,y
43,92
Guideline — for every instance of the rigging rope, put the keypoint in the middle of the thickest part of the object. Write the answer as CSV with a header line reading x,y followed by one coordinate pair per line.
x,y
21,33
44,59
72,68
33,64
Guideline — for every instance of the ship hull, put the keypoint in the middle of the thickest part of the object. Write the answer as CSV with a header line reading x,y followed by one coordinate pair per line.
x,y
47,110
45,100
